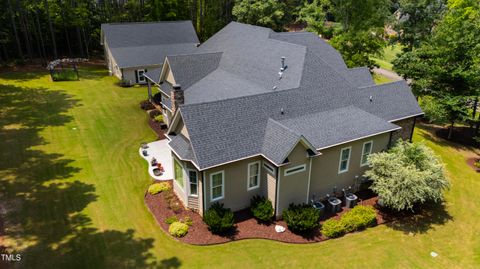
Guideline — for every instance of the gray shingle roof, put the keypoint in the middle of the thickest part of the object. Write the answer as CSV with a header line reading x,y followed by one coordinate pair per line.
x,y
233,112
146,44
344,124
182,147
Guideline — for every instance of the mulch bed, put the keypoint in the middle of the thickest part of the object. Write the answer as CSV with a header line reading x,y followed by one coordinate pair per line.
x,y
471,161
156,128
247,227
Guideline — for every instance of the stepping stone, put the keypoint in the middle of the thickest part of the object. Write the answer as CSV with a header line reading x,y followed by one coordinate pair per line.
x,y
279,229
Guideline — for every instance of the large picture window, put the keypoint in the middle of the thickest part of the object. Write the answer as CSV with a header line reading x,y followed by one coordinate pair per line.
x,y
366,150
216,186
253,175
193,181
344,160
178,172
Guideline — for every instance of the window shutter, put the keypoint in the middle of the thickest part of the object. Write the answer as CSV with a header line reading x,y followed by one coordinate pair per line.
x,y
136,76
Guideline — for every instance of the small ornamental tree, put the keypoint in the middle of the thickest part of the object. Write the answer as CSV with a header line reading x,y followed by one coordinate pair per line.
x,y
406,175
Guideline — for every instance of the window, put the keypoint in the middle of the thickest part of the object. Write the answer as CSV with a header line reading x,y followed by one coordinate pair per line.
x,y
216,186
367,149
295,169
269,168
178,172
253,175
140,73
193,179
344,160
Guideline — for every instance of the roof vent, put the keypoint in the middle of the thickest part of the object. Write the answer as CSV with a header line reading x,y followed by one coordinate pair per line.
x,y
274,87
371,98
281,111
198,45
283,62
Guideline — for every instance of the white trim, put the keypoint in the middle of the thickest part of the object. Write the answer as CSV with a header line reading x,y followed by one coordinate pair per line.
x,y
223,186
288,173
411,116
269,168
360,138
204,192
309,177
348,160
189,183
258,176
363,149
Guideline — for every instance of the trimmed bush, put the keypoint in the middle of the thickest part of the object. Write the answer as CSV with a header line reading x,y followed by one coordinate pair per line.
x,y
159,118
218,218
261,208
359,217
178,229
146,105
301,218
333,228
156,188
154,113
171,220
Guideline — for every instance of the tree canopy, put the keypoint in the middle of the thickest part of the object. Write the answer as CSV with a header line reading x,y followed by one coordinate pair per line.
x,y
268,13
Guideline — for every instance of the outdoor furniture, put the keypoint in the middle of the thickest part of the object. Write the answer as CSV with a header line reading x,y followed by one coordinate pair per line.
x,y
153,162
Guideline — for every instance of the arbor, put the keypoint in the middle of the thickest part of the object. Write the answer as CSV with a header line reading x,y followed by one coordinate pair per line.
x,y
407,175
268,13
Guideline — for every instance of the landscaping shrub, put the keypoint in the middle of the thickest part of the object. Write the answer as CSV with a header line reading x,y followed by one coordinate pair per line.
x,y
158,188
333,228
187,220
407,175
146,105
172,202
261,208
159,118
154,113
357,218
301,218
171,219
218,218
477,164
178,229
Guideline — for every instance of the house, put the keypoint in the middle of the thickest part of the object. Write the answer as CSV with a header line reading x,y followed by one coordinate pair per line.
x,y
256,112
133,49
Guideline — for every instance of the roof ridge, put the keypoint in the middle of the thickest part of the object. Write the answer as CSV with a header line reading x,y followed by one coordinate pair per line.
x,y
144,22
192,54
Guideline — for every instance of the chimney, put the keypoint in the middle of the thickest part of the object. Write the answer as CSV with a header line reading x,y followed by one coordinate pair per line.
x,y
176,97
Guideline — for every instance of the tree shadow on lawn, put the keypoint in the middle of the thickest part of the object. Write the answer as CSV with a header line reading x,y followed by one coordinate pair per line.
x,y
41,202
421,220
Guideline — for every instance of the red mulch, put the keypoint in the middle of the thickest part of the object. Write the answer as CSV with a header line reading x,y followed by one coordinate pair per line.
x,y
471,161
156,128
246,227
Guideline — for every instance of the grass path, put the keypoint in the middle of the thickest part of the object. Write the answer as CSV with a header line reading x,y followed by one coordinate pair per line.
x,y
73,183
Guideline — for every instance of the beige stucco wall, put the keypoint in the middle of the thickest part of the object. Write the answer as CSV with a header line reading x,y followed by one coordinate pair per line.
x,y
236,195
325,174
293,188
181,129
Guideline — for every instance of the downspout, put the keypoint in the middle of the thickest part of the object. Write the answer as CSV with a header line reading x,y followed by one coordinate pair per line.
x,y
204,193
309,178
413,128
277,194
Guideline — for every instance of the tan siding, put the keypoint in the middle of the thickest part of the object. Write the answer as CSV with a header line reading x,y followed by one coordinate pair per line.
x,y
325,167
293,188
181,129
236,195
111,63
170,77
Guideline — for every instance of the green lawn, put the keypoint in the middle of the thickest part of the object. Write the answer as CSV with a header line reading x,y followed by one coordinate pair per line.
x,y
380,79
389,54
73,184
